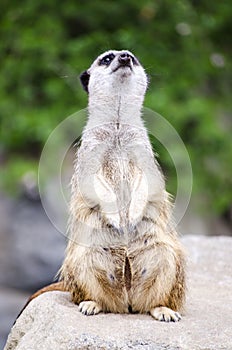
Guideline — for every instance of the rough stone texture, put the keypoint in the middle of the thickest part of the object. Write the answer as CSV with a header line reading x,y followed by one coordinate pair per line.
x,y
52,322
11,302
31,251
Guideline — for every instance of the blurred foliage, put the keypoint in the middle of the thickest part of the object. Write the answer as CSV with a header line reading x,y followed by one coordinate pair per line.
x,y
184,46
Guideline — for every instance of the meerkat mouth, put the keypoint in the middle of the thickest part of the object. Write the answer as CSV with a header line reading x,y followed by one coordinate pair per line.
x,y
123,66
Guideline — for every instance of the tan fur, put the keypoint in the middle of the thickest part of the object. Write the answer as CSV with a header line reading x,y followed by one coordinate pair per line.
x,y
123,253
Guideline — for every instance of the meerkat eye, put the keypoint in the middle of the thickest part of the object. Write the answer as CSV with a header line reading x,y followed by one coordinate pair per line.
x,y
105,61
134,60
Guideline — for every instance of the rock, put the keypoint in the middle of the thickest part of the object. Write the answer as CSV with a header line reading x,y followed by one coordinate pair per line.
x,y
31,250
11,302
51,321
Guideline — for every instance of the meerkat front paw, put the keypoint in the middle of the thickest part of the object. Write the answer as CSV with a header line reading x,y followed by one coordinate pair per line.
x,y
89,308
165,314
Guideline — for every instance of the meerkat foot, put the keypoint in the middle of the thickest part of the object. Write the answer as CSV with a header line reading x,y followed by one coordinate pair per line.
x,y
165,314
89,308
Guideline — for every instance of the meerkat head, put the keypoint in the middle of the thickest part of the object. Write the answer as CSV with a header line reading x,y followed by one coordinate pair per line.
x,y
115,72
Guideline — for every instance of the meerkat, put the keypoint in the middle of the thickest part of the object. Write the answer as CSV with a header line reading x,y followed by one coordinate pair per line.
x,y
123,253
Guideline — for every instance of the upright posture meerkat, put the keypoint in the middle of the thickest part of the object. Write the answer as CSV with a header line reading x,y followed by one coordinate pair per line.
x,y
123,254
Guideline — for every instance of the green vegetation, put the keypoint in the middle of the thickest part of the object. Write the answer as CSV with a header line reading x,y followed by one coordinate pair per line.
x,y
184,46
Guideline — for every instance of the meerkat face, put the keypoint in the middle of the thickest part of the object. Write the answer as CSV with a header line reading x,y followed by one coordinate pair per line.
x,y
115,71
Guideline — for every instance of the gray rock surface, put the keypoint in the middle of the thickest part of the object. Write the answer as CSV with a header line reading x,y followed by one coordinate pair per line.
x,y
52,322
11,302
31,251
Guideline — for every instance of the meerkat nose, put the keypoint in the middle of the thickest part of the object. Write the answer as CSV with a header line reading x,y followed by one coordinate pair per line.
x,y
124,58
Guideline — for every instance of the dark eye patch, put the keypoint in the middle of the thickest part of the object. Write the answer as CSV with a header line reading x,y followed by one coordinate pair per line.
x,y
134,60
106,60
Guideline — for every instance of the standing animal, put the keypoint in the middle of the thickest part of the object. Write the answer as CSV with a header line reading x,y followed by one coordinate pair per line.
x,y
123,253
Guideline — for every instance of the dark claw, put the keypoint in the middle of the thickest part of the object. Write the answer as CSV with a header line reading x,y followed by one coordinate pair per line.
x,y
178,316
92,312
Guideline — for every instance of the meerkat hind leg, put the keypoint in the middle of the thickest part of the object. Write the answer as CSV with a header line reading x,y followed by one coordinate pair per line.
x,y
163,313
89,308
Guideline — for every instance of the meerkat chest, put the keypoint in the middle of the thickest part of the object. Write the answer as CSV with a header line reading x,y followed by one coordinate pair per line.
x,y
118,163
121,147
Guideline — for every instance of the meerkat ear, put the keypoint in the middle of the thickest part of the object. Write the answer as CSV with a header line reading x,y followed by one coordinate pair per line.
x,y
84,78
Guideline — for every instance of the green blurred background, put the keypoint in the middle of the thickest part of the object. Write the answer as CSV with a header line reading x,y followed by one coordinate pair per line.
x,y
184,46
